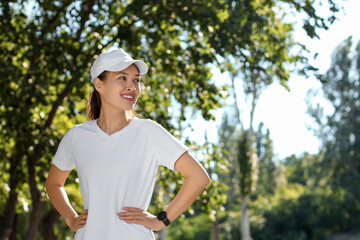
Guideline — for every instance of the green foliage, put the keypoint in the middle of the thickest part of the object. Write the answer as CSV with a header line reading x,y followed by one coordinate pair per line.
x,y
305,170
214,197
339,131
306,216
46,50
193,228
247,160
303,207
267,180
227,139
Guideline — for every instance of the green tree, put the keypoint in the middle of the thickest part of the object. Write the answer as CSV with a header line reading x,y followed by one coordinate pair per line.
x,y
305,170
303,207
214,196
47,48
340,130
340,133
267,180
255,66
247,163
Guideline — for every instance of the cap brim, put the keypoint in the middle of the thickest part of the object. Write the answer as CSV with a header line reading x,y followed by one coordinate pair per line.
x,y
141,66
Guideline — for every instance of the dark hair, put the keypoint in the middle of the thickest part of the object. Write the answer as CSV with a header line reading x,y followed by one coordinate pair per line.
x,y
94,102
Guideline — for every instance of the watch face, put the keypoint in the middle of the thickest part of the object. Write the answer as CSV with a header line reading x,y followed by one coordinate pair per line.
x,y
161,215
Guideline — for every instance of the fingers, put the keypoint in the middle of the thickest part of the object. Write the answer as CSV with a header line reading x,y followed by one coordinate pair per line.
x,y
139,216
132,215
81,220
145,219
132,209
83,216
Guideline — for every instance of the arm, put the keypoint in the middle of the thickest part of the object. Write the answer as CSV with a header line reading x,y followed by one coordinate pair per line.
x,y
57,195
196,180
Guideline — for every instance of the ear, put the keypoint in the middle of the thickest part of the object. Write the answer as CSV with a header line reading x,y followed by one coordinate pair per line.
x,y
98,84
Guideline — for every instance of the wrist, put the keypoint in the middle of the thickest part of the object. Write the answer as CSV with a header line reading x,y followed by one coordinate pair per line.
x,y
162,216
70,220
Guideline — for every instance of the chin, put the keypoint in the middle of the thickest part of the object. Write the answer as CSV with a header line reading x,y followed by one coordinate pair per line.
x,y
128,109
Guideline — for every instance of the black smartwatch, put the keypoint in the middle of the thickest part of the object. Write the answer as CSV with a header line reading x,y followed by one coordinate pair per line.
x,y
162,216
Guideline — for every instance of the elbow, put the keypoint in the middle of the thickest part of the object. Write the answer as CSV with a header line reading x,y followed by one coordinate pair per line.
x,y
200,180
47,186
206,180
50,186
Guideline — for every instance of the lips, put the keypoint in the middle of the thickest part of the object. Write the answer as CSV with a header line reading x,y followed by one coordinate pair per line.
x,y
128,97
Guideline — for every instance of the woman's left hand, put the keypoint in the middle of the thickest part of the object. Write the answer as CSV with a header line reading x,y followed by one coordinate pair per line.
x,y
139,216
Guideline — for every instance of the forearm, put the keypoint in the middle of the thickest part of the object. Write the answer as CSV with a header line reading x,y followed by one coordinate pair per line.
x,y
196,180
187,194
60,201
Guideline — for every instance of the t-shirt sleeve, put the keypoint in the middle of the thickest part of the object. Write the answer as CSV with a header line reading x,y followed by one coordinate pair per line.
x,y
63,158
167,148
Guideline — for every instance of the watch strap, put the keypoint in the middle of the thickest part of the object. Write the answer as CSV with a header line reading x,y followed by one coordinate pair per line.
x,y
162,216
166,221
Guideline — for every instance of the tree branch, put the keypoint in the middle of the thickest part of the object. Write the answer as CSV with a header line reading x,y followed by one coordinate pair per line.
x,y
55,17
84,19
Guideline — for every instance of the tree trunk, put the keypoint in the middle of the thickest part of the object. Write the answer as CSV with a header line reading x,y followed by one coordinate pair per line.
x,y
10,210
35,217
48,225
35,214
245,225
163,234
216,229
9,216
13,235
237,111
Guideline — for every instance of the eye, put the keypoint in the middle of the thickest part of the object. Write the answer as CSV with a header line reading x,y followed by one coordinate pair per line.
x,y
122,78
137,80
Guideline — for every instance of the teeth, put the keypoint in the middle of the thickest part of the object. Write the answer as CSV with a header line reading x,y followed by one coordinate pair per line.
x,y
126,96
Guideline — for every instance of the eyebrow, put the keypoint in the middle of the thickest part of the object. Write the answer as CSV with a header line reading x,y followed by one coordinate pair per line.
x,y
138,75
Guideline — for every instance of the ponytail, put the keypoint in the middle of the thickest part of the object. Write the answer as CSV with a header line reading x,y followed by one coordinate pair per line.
x,y
94,105
94,102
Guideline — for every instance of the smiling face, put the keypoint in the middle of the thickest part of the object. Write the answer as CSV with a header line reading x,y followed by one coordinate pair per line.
x,y
119,90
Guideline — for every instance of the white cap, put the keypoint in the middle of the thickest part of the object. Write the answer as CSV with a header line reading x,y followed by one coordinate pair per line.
x,y
114,61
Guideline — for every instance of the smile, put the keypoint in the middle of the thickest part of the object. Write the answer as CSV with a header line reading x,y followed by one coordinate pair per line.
x,y
128,97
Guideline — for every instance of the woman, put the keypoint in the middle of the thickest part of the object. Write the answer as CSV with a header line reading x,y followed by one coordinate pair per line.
x,y
117,156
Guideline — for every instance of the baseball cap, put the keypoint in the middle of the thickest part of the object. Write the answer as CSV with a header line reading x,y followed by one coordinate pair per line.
x,y
113,61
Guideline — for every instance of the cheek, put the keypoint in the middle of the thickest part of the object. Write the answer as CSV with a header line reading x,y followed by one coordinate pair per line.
x,y
119,84
138,88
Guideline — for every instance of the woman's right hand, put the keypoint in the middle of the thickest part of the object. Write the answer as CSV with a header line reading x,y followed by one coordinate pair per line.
x,y
78,222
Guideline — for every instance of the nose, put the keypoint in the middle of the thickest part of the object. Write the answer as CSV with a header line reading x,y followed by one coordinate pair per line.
x,y
131,86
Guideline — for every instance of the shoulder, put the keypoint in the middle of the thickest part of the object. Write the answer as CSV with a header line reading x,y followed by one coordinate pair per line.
x,y
79,129
149,125
155,130
145,121
85,126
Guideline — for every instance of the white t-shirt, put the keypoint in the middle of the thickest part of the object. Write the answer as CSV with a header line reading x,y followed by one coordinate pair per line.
x,y
116,171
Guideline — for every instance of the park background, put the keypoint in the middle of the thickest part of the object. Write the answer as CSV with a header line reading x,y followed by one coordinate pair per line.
x,y
220,74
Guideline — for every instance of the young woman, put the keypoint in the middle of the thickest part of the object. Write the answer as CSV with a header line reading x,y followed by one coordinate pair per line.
x,y
117,156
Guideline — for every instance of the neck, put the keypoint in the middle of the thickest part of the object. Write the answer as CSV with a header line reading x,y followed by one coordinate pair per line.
x,y
111,122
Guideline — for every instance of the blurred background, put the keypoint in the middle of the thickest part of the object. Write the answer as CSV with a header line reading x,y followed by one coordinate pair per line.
x,y
265,92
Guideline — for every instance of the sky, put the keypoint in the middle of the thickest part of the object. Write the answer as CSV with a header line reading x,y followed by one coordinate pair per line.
x,y
285,113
